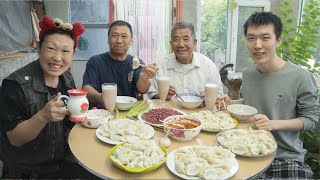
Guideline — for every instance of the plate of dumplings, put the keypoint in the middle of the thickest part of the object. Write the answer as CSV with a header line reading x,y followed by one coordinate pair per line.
x,y
215,121
124,130
247,142
202,162
139,157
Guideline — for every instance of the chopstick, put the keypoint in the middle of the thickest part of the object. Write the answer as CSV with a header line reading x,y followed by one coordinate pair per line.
x,y
179,97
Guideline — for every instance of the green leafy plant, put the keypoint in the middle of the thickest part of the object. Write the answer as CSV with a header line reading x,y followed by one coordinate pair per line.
x,y
299,44
311,141
213,29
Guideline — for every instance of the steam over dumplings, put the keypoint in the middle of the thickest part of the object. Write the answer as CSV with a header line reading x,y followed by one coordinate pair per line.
x,y
125,130
214,121
203,161
247,142
141,154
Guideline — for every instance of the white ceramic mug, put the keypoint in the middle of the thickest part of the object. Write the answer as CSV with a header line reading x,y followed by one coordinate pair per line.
x,y
77,104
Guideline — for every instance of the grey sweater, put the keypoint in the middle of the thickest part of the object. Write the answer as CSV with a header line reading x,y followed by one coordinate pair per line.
x,y
287,94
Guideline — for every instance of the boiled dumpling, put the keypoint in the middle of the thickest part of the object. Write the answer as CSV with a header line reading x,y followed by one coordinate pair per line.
x,y
179,166
115,137
147,162
135,62
131,139
193,169
239,149
254,150
194,160
148,150
213,173
131,130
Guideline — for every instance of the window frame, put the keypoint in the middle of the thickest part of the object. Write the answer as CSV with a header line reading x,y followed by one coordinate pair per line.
x,y
233,16
87,25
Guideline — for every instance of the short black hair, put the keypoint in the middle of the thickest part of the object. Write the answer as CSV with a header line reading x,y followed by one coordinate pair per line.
x,y
264,18
120,23
56,31
183,25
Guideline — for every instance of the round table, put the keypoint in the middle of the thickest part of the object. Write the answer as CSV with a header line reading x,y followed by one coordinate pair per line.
x,y
93,154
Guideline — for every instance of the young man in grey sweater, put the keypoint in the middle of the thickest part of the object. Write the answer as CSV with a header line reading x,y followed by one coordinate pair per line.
x,y
283,93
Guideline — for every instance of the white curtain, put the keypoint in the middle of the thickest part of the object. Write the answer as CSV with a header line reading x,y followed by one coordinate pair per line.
x,y
151,23
15,26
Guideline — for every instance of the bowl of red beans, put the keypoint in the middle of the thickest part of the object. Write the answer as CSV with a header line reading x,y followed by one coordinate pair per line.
x,y
182,127
155,116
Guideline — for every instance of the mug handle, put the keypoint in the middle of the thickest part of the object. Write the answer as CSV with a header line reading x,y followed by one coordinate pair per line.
x,y
62,97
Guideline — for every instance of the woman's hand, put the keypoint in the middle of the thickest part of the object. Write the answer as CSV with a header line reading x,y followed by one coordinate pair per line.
x,y
54,110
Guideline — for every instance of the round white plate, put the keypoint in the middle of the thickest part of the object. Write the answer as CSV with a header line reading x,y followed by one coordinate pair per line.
x,y
170,164
157,125
107,140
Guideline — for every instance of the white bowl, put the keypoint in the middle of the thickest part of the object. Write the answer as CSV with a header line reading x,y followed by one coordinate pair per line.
x,y
125,102
241,112
180,133
190,100
96,117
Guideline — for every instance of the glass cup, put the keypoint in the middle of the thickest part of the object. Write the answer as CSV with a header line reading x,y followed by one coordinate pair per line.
x,y
109,95
210,96
163,89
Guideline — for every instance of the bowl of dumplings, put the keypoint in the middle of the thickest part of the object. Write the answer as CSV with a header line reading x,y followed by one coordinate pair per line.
x,y
182,127
139,157
241,112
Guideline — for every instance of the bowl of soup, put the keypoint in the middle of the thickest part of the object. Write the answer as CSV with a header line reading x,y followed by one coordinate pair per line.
x,y
125,102
189,100
182,127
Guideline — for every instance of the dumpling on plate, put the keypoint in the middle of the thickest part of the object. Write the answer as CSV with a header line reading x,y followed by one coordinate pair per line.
x,y
239,149
213,173
193,169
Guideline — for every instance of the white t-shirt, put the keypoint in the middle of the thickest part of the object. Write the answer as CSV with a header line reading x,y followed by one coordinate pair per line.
x,y
187,77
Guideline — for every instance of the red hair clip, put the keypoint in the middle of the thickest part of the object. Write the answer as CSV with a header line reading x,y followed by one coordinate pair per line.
x,y
48,24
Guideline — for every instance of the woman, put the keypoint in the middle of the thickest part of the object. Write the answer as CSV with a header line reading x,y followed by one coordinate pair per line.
x,y
35,128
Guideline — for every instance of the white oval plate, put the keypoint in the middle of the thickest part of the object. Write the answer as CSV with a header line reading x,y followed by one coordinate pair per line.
x,y
109,141
158,125
170,164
